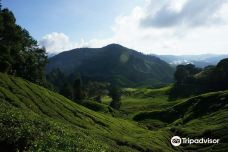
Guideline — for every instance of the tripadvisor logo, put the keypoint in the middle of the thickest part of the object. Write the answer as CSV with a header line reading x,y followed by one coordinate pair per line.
x,y
177,141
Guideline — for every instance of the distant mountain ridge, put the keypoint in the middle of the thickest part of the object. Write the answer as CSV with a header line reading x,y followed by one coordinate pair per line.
x,y
201,61
113,63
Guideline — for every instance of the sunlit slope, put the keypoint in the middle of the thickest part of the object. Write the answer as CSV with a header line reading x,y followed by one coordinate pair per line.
x,y
201,116
134,100
33,118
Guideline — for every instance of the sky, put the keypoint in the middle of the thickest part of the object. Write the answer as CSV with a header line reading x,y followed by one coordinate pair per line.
x,y
150,26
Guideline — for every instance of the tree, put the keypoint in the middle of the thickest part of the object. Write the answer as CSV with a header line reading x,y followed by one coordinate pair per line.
x,y
78,91
191,80
66,90
20,54
220,76
180,74
4,59
60,82
185,72
223,65
95,90
115,94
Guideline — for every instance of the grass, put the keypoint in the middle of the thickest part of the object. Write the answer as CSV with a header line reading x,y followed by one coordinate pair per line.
x,y
35,119
201,116
143,99
98,107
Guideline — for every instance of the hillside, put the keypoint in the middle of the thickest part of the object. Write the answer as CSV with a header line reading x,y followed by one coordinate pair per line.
x,y
113,63
194,81
35,119
201,116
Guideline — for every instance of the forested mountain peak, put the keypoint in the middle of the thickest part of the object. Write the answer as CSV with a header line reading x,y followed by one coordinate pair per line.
x,y
113,62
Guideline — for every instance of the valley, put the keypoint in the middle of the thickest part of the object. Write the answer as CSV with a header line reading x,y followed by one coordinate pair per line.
x,y
43,120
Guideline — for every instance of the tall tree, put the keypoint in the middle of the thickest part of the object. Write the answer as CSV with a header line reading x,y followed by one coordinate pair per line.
x,y
66,90
115,94
78,92
20,54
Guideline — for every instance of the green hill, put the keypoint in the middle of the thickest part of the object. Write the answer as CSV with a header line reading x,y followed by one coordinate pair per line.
x,y
113,63
194,81
201,116
33,118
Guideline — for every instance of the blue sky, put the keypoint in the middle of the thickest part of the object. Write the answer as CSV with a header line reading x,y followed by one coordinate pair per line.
x,y
75,18
149,26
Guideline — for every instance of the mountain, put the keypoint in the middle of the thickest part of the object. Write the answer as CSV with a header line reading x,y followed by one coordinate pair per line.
x,y
113,63
198,60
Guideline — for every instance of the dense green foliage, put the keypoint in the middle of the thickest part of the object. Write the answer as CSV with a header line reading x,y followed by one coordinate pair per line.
x,y
33,118
59,83
115,94
78,92
95,90
19,52
192,81
185,73
201,116
112,63
197,117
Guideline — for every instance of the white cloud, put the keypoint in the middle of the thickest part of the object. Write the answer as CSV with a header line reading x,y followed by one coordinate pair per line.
x,y
57,42
173,38
185,13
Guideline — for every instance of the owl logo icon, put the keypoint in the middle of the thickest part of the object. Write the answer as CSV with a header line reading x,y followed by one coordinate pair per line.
x,y
176,141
